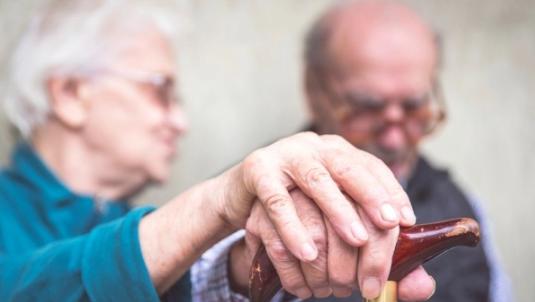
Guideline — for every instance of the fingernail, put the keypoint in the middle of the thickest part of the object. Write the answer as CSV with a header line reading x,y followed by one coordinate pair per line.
x,y
371,288
388,213
434,288
408,215
359,232
309,253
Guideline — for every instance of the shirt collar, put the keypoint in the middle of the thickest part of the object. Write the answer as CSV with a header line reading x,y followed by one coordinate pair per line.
x,y
26,163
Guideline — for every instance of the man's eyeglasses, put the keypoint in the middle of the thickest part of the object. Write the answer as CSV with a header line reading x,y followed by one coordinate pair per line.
x,y
365,111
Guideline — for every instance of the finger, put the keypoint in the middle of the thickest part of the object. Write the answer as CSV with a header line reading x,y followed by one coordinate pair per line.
x,y
375,259
398,197
367,192
288,270
348,167
416,286
314,179
280,208
342,264
286,265
315,272
252,243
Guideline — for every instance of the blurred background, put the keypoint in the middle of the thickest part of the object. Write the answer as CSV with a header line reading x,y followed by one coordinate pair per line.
x,y
240,75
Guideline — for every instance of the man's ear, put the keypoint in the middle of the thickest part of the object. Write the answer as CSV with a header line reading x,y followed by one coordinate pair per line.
x,y
66,101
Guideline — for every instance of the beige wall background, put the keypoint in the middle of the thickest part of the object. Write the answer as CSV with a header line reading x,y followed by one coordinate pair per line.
x,y
240,75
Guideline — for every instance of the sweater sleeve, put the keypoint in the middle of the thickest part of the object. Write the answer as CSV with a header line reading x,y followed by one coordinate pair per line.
x,y
104,265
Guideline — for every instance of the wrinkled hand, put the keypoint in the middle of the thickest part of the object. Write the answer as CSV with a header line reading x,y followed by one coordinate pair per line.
x,y
323,167
339,268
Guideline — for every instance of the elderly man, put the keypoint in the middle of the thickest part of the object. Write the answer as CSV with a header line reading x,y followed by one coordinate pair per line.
x,y
92,93
372,77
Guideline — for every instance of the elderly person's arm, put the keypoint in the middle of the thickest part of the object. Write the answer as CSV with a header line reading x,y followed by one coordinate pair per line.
x,y
140,256
104,265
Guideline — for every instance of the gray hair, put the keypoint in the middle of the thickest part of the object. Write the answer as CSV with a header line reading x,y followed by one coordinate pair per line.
x,y
67,37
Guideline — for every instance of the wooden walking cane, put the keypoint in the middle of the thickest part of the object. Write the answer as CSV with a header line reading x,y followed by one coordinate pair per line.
x,y
416,245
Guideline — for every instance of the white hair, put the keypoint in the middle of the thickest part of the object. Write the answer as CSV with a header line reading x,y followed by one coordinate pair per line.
x,y
67,37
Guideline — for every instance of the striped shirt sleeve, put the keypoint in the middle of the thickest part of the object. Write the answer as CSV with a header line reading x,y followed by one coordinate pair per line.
x,y
500,283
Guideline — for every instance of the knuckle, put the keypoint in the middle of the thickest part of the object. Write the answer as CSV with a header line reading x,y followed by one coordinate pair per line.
x,y
372,159
377,262
343,169
319,238
253,168
279,253
276,203
317,269
333,139
315,176
367,159
318,279
342,279
399,196
307,135
254,159
292,279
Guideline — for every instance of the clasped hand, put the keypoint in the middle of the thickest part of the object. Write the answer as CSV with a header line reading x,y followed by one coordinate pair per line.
x,y
328,215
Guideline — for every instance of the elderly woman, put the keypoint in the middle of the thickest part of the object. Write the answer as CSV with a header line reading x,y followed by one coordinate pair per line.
x,y
92,93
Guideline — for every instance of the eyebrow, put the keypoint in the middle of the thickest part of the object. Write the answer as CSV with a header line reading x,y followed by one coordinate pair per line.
x,y
356,94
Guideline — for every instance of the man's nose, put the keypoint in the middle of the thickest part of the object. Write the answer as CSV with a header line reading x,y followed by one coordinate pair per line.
x,y
393,113
392,137
392,134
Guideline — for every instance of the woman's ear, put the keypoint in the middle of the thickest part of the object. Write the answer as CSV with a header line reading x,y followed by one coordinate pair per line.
x,y
66,102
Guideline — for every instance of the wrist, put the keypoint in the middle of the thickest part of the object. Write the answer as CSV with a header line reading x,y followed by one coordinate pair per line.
x,y
215,197
234,201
